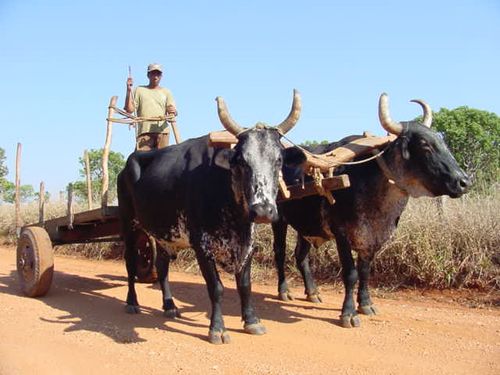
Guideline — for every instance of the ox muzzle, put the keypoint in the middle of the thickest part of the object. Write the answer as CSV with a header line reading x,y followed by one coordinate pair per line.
x,y
459,185
263,213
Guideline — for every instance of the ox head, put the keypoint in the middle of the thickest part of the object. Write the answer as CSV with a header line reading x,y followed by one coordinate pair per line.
x,y
425,165
256,161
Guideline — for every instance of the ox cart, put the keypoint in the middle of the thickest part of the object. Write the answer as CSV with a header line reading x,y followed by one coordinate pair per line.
x,y
35,261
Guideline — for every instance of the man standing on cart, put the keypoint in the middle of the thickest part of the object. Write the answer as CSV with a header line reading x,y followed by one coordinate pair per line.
x,y
151,101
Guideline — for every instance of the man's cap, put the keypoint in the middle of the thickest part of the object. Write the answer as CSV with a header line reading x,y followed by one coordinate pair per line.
x,y
153,67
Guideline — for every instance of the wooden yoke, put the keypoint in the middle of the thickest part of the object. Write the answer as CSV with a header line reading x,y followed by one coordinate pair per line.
x,y
320,167
345,153
221,139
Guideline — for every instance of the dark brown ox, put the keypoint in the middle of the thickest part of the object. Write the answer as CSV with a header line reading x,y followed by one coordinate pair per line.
x,y
418,163
192,195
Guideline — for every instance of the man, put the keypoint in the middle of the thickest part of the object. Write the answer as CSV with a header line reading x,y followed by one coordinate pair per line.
x,y
151,101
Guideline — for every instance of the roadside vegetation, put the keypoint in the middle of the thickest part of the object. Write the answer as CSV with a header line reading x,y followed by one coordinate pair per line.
x,y
452,246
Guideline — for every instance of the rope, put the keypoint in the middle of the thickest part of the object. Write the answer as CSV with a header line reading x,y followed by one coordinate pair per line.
x,y
334,163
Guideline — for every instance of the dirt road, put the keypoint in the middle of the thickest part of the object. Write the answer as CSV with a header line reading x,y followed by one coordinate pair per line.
x,y
80,327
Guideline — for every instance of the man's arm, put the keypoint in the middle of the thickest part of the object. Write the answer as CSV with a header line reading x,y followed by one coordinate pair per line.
x,y
170,104
129,100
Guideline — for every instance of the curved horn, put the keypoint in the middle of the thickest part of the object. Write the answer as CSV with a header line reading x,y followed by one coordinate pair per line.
x,y
427,120
226,120
385,118
294,115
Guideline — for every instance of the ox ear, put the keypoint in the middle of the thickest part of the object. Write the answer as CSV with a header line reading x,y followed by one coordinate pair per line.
x,y
223,158
293,156
405,152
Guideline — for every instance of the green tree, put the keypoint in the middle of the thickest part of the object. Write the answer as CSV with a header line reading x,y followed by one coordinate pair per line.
x,y
47,196
26,193
314,143
115,165
3,167
8,189
3,173
473,137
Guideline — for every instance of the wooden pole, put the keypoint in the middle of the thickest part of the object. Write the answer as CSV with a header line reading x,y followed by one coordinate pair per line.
x,y
105,154
41,204
177,135
89,181
70,212
18,189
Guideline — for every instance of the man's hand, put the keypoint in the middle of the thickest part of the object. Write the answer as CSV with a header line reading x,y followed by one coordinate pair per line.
x,y
130,83
171,110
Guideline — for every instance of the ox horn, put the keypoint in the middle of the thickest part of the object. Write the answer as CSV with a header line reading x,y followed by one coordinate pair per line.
x,y
388,124
427,120
226,120
294,115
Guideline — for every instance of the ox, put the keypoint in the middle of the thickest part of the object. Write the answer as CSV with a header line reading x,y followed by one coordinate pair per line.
x,y
192,195
417,163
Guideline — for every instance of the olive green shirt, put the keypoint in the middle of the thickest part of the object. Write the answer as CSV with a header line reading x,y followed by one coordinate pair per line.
x,y
150,103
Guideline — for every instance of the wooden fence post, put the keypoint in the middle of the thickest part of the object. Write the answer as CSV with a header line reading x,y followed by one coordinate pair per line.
x,y
70,212
89,181
105,153
18,189
41,204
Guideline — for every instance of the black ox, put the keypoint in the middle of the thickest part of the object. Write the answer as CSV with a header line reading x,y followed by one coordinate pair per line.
x,y
417,163
192,195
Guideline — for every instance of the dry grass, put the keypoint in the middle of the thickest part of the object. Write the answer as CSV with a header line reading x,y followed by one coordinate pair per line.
x,y
455,248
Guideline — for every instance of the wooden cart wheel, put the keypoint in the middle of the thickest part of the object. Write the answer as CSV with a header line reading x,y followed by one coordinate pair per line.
x,y
35,261
146,258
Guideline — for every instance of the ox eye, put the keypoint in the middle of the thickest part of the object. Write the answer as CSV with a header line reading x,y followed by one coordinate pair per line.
x,y
425,146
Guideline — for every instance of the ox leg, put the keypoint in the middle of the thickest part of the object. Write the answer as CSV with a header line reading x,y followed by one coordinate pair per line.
x,y
170,311
279,247
365,304
132,306
217,333
349,317
252,323
302,259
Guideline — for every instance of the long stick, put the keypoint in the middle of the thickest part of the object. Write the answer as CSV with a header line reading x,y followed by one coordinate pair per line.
x,y
18,188
177,135
70,212
105,154
89,181
41,204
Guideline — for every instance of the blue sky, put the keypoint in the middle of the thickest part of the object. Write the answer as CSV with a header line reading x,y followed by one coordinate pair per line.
x,y
61,61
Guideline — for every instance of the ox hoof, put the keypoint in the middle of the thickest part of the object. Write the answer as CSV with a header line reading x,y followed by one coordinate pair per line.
x,y
132,309
286,296
368,310
350,321
314,298
255,329
171,313
218,337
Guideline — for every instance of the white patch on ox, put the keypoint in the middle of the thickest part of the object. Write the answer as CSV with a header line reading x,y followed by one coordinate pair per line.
x,y
228,242
261,154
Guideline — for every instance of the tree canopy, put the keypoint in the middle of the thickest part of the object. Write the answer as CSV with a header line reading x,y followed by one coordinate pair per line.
x,y
3,168
8,189
116,162
473,137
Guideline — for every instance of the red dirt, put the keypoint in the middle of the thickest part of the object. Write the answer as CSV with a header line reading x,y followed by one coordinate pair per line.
x,y
80,327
